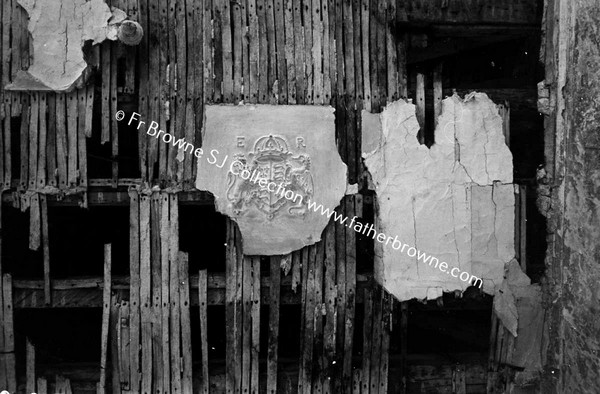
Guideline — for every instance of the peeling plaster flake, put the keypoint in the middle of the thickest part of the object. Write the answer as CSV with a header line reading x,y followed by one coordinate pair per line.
x,y
453,201
59,30
292,146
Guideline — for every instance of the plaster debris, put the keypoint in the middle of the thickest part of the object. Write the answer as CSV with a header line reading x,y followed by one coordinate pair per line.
x,y
59,31
518,305
454,201
291,146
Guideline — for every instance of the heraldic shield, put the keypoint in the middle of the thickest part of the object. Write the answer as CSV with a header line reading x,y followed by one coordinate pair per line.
x,y
272,160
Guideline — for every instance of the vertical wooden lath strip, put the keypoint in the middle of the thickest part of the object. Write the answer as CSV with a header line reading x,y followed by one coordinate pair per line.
x,y
299,52
317,52
255,317
29,366
230,273
82,128
246,324
287,65
437,92
154,110
340,32
165,306
42,142
198,96
392,54
207,51
114,340
24,132
145,296
123,347
106,118
3,354
420,93
318,373
45,249
143,85
156,282
34,222
329,284
227,51
203,304
171,113
33,139
106,304
134,289
356,30
273,344
306,6
61,140
367,338
348,29
186,329
190,113
9,337
239,51
327,48
270,16
263,50
72,136
404,345
15,23
385,342
163,96
376,343
350,282
340,242
182,109
252,92
174,296
51,169
239,309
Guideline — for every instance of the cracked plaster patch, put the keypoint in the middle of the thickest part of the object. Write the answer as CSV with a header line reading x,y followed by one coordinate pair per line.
x,y
59,30
292,146
454,201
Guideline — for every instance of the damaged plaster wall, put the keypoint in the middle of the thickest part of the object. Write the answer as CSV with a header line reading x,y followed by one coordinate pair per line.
x,y
292,146
59,30
454,201
572,295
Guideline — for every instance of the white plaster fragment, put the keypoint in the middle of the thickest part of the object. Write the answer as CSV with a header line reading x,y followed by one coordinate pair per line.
x,y
292,146
59,30
453,201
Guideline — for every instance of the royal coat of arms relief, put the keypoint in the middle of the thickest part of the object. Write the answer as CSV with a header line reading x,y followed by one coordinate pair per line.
x,y
288,174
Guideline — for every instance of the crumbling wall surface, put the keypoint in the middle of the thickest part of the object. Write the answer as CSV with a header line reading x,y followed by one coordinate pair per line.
x,y
58,31
293,149
572,290
453,201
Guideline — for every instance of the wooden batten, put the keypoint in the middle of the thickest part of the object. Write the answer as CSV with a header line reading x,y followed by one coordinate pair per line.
x,y
186,331
106,313
203,306
29,366
134,290
273,342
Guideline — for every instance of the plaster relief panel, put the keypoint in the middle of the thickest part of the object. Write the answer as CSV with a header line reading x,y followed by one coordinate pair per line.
x,y
453,201
264,164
